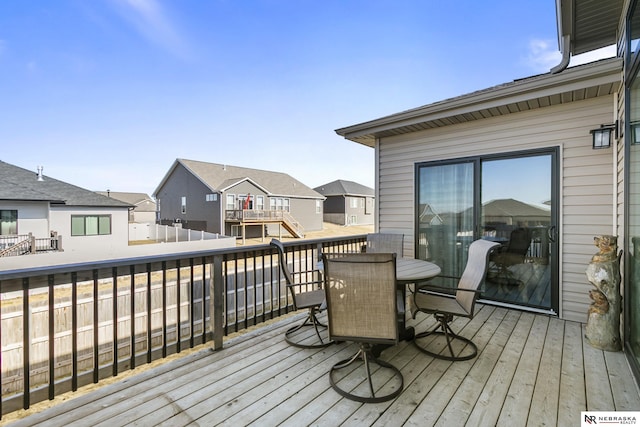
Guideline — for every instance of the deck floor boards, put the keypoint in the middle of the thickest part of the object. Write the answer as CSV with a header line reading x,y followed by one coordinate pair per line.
x,y
531,369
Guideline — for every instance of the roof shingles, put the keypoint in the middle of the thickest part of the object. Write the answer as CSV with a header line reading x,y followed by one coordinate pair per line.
x,y
21,184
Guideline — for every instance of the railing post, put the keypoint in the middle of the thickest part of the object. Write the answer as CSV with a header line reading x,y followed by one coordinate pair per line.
x,y
216,302
32,243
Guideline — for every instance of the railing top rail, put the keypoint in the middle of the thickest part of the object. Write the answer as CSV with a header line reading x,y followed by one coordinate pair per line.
x,y
93,265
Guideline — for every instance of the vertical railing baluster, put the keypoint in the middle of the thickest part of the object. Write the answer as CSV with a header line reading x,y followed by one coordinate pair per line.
x,y
216,295
52,335
245,293
254,274
96,344
204,299
192,304
132,303
225,286
26,344
149,324
263,282
278,275
164,309
74,331
235,292
179,309
114,314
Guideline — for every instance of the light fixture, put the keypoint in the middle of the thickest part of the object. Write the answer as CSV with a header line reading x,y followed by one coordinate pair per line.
x,y
635,132
603,135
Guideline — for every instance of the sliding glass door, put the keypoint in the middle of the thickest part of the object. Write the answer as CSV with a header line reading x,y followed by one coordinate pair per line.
x,y
509,199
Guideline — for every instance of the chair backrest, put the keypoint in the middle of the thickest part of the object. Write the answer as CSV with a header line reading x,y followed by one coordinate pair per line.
x,y
474,272
385,243
361,297
282,262
519,241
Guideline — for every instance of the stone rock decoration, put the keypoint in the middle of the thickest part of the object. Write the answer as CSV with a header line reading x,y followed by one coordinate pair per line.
x,y
603,324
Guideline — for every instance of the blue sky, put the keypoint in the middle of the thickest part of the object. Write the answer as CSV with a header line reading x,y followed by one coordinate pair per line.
x,y
106,94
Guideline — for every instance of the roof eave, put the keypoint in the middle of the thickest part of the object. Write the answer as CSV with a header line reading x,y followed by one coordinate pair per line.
x,y
603,72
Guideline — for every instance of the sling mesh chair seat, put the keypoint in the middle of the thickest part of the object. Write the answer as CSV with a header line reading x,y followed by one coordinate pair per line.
x,y
361,307
306,294
444,308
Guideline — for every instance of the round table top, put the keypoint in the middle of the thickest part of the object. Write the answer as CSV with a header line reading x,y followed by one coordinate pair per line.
x,y
410,270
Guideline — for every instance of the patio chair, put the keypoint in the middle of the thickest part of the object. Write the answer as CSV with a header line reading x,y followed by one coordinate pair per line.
x,y
513,254
361,307
433,300
384,243
305,295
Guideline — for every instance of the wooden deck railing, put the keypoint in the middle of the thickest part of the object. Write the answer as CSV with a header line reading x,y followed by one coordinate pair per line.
x,y
68,326
265,216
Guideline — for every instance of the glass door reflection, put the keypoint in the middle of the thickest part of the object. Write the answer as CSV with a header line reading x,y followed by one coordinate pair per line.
x,y
516,206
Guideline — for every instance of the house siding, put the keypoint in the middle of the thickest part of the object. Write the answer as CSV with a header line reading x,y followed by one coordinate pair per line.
x,y
586,180
200,214
33,217
60,220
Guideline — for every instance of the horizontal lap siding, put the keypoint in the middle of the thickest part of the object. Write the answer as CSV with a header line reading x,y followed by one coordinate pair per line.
x,y
587,201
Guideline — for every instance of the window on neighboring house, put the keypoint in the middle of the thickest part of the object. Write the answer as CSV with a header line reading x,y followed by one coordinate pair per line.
x,y
90,225
260,203
183,204
272,204
231,202
353,202
211,197
286,205
8,222
318,206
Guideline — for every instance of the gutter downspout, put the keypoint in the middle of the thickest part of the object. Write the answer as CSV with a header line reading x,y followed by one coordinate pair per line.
x,y
566,55
615,165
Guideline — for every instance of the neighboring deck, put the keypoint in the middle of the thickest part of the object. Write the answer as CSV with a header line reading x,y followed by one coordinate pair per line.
x,y
531,370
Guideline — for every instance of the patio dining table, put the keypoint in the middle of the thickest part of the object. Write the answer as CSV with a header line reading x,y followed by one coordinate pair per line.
x,y
408,271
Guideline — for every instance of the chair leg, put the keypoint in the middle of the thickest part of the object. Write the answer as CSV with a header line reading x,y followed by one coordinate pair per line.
x,y
311,320
365,354
443,328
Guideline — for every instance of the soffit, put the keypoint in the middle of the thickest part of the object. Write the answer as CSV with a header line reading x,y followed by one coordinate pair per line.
x,y
590,24
574,84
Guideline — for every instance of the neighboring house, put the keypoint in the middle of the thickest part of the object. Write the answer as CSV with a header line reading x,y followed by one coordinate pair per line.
x,y
145,206
347,203
78,219
237,201
531,140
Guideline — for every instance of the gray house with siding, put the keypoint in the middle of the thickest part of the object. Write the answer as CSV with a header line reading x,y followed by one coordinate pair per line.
x,y
531,141
347,203
237,201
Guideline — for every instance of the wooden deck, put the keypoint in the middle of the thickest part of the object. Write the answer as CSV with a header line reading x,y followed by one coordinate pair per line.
x,y
531,370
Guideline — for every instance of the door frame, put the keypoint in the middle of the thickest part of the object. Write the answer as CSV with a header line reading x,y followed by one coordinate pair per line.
x,y
477,160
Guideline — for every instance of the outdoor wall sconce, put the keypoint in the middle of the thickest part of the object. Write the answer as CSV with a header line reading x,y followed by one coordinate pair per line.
x,y
635,133
603,135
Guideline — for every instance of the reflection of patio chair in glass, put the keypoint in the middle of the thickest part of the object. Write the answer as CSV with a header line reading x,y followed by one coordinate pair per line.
x,y
431,300
362,307
305,294
513,254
